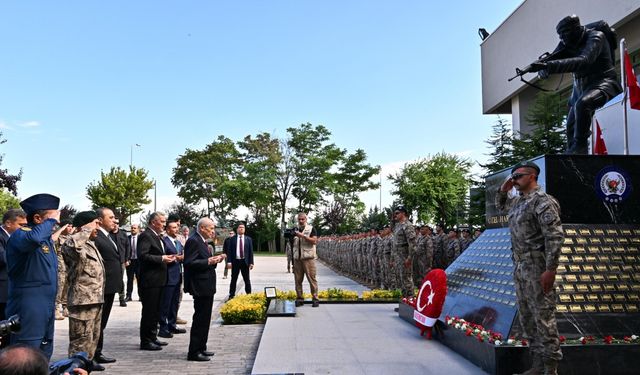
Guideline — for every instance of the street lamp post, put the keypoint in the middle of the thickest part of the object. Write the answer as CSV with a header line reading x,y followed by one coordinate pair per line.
x,y
131,160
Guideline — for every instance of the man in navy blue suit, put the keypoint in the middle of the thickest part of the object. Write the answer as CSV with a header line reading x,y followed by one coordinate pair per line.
x,y
171,292
240,259
200,282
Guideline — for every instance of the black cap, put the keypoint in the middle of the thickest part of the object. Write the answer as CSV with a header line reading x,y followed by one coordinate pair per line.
x,y
526,164
40,202
400,208
83,218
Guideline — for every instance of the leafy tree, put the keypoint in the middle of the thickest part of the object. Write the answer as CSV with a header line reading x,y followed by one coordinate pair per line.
x,y
187,213
210,175
123,192
7,201
313,158
375,218
67,212
7,180
548,135
437,187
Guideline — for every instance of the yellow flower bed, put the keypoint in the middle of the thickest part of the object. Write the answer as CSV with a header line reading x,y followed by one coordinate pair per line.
x,y
377,294
246,308
337,294
290,295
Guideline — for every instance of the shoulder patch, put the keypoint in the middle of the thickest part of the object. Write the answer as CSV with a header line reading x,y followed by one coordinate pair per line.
x,y
26,229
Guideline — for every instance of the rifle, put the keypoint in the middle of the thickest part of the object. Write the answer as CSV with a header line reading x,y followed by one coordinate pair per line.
x,y
528,69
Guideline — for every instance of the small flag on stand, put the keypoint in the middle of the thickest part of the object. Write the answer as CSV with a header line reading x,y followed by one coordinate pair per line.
x,y
600,147
632,83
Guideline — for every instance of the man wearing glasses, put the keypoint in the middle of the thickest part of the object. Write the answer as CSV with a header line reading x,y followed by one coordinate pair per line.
x,y
536,238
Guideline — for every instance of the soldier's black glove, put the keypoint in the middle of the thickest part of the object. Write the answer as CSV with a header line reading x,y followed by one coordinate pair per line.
x,y
538,66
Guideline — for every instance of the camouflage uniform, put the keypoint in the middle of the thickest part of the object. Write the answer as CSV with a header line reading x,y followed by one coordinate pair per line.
x,y
405,247
63,286
453,250
439,256
536,238
86,292
424,257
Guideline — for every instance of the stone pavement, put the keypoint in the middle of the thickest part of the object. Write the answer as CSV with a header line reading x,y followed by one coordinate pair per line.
x,y
352,339
235,346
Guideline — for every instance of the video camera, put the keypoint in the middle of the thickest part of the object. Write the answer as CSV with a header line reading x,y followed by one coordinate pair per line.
x,y
79,360
290,233
11,325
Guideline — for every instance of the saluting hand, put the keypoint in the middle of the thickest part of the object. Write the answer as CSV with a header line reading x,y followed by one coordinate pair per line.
x,y
546,280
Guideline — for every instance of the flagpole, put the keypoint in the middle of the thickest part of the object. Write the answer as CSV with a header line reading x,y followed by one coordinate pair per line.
x,y
625,131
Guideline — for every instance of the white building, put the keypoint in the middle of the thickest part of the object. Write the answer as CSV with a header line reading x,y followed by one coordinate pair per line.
x,y
530,31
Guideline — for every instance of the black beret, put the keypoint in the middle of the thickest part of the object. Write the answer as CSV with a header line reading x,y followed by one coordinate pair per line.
x,y
83,218
401,208
568,23
526,164
40,202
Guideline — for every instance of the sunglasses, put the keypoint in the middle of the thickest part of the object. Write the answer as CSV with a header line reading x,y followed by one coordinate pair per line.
x,y
516,176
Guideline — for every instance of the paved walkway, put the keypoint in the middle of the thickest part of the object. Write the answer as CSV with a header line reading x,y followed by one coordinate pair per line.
x,y
235,346
365,338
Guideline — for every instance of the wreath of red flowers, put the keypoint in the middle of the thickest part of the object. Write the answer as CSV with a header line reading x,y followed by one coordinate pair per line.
x,y
430,300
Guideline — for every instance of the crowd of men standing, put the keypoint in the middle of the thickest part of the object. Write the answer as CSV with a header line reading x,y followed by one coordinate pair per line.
x,y
395,258
51,270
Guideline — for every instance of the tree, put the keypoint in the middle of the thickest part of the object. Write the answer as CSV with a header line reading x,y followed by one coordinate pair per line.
x,y
210,175
437,187
376,218
260,158
501,146
123,192
7,201
187,213
548,136
7,180
312,160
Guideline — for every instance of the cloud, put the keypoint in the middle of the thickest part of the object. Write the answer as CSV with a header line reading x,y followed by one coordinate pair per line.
x,y
3,125
29,124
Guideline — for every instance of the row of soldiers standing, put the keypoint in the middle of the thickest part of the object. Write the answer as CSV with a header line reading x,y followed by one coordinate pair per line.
x,y
394,259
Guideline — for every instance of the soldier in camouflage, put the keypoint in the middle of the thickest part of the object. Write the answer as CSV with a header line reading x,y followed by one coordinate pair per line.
x,y
86,286
405,247
453,247
424,257
466,239
439,243
536,238
59,237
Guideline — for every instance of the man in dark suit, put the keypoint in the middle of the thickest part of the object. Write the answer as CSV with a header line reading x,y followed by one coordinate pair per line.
x,y
132,265
225,247
124,249
12,220
113,272
240,259
171,291
200,282
153,277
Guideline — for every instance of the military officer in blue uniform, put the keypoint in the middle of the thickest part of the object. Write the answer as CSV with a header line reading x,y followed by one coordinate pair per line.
x,y
33,265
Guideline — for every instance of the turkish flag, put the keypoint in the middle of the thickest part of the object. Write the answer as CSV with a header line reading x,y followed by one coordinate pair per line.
x,y
632,83
601,147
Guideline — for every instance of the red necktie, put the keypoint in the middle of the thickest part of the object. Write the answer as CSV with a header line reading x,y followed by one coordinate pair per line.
x,y
241,248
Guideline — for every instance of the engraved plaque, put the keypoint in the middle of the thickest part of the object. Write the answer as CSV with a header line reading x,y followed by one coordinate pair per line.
x,y
617,308
585,232
604,308
575,308
570,232
565,298
590,308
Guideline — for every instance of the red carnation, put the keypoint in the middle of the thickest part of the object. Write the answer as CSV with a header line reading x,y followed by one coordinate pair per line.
x,y
480,338
608,339
563,339
468,332
583,341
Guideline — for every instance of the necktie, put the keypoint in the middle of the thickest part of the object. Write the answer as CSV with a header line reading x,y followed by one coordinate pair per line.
x,y
134,252
241,248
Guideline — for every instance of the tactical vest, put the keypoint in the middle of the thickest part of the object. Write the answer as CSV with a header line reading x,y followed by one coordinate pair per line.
x,y
304,249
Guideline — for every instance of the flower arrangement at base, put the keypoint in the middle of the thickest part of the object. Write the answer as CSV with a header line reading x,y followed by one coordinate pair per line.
x,y
484,335
290,295
245,308
338,294
381,294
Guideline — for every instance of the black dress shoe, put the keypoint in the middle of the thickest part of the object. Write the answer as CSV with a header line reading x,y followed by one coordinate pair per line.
x,y
95,366
160,343
299,303
178,330
100,358
208,354
315,303
123,303
165,334
128,299
150,346
198,357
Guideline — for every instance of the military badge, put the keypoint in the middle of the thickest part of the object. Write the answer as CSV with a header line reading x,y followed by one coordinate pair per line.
x,y
613,184
45,249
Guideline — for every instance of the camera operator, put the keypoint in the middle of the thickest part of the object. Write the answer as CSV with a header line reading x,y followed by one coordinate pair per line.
x,y
304,259
21,359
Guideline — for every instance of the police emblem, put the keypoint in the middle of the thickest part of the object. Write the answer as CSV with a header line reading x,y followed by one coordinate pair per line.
x,y
45,249
613,184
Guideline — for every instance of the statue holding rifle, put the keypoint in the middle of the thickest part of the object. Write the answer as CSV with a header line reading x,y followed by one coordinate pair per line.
x,y
589,53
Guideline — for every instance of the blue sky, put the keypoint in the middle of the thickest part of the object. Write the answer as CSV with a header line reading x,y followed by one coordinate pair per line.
x,y
81,82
